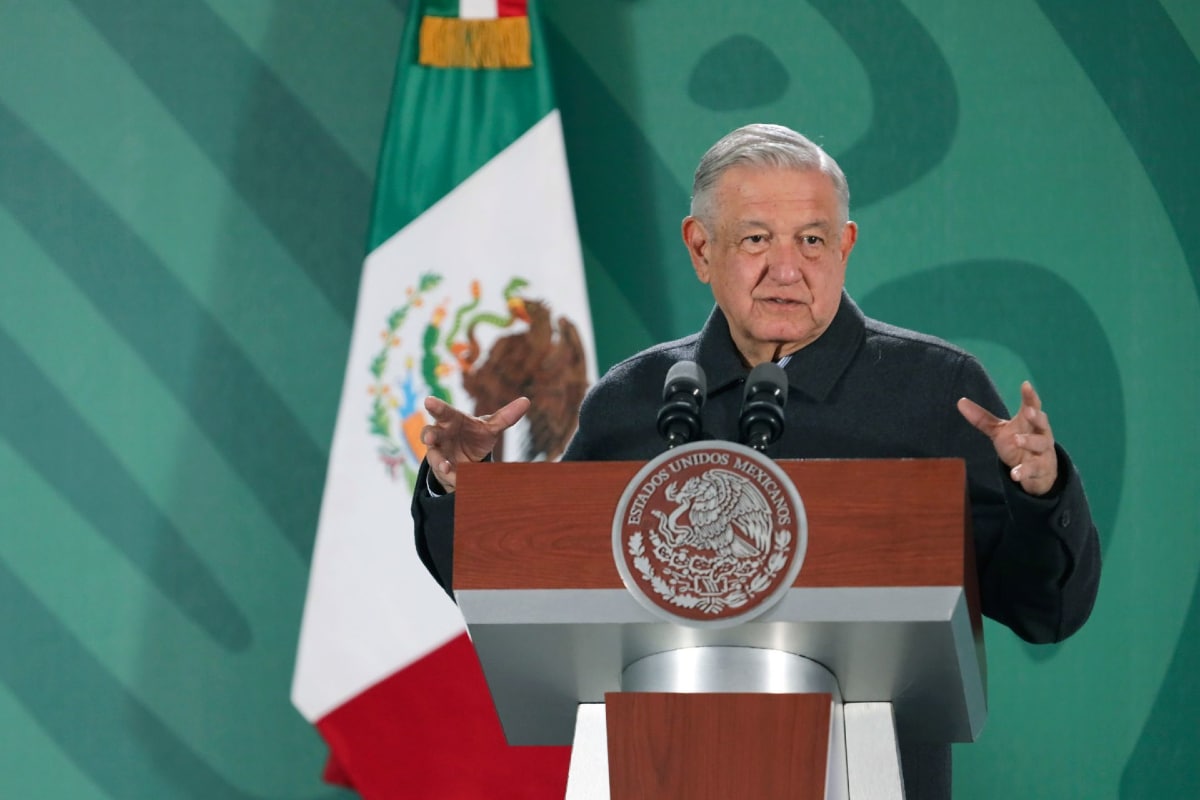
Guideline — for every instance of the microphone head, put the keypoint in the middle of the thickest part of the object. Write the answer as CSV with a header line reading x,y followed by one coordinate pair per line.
x,y
761,420
766,377
686,376
683,395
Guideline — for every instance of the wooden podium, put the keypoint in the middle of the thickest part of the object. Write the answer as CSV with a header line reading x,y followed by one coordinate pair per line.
x,y
880,632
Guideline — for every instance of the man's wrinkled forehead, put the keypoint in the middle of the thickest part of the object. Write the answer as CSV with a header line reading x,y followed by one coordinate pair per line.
x,y
740,201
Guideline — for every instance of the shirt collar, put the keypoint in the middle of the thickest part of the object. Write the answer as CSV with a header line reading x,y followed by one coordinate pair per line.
x,y
812,370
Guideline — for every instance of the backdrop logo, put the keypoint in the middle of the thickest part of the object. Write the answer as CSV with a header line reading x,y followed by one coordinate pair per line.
x,y
488,352
710,533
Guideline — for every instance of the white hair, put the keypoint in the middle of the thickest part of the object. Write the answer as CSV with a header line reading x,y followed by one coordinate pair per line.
x,y
763,145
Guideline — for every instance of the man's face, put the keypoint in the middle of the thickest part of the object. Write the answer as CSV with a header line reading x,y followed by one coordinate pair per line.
x,y
775,258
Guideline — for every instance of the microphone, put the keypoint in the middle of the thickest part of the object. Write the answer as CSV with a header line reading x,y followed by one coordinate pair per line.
x,y
683,395
761,420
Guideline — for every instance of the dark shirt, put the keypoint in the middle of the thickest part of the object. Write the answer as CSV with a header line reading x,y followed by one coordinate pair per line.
x,y
863,389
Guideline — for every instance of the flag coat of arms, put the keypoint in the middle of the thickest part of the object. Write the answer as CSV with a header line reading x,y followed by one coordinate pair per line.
x,y
472,290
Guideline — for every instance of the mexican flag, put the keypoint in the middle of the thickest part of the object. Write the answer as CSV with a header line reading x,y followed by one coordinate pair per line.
x,y
473,291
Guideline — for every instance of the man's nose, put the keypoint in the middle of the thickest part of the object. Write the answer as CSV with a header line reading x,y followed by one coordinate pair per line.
x,y
783,263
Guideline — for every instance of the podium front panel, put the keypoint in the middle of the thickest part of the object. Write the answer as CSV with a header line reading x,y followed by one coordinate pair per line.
x,y
886,598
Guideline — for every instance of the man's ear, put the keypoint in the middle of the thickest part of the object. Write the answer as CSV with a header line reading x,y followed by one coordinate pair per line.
x,y
696,237
849,237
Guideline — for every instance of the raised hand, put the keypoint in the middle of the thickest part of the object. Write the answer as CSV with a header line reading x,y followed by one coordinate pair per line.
x,y
1024,443
455,436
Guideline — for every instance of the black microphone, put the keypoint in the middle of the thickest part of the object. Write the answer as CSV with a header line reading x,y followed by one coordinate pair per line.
x,y
683,395
761,420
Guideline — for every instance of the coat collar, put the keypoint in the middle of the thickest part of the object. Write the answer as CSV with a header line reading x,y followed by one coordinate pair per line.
x,y
812,370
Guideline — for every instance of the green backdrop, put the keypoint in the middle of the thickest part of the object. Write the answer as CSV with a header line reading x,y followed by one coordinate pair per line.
x,y
184,194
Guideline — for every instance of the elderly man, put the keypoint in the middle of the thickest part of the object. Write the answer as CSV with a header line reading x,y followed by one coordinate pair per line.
x,y
770,233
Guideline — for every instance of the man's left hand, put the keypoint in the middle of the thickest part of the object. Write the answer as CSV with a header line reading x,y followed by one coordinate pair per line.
x,y
1024,443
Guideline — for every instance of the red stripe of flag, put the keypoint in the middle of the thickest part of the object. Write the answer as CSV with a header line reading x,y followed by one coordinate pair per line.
x,y
410,735
512,8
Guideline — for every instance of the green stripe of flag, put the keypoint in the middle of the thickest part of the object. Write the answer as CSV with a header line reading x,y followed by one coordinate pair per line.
x,y
447,123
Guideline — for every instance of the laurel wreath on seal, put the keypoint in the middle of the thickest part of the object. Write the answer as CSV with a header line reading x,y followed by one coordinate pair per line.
x,y
391,449
673,588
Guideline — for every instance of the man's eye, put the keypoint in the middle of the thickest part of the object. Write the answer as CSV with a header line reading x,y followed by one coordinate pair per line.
x,y
756,243
812,241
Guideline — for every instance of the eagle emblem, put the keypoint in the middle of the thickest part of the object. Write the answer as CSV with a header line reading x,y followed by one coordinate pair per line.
x,y
709,533
728,515
487,352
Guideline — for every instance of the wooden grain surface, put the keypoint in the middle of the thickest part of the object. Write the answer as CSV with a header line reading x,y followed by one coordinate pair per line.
x,y
870,523
696,746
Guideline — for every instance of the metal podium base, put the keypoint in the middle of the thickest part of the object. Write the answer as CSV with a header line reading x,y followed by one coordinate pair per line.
x,y
863,758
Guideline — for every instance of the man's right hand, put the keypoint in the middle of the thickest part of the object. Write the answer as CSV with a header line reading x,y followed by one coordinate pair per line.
x,y
455,437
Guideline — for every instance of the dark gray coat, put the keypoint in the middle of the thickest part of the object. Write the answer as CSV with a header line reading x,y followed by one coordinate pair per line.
x,y
862,390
